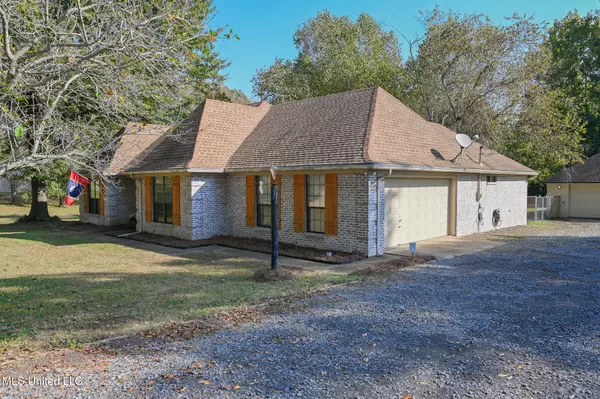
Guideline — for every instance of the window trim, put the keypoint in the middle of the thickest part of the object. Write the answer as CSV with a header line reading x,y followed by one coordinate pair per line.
x,y
260,207
491,179
93,203
164,204
308,207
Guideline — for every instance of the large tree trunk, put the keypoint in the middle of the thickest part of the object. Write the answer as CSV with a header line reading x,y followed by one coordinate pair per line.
x,y
39,200
15,195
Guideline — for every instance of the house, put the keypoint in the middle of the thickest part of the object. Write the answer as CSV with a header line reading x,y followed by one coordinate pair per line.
x,y
358,172
114,204
578,188
5,187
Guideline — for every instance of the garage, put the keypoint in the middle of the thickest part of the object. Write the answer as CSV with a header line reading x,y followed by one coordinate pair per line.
x,y
416,209
585,200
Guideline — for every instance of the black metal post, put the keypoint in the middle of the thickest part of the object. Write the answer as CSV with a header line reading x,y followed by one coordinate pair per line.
x,y
274,227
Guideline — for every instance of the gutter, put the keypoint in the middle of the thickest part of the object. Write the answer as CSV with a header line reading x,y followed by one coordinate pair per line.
x,y
408,168
357,166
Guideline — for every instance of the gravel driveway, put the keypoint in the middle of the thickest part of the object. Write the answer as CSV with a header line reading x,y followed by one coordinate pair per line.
x,y
519,321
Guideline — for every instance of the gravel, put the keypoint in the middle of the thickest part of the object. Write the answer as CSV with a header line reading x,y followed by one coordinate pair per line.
x,y
521,320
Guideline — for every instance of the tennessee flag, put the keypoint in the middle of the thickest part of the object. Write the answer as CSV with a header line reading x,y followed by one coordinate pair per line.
x,y
76,185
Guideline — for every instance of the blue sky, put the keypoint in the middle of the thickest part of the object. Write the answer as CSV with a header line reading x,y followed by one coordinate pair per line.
x,y
266,28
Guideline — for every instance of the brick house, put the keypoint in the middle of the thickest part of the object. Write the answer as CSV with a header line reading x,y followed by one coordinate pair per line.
x,y
114,204
358,172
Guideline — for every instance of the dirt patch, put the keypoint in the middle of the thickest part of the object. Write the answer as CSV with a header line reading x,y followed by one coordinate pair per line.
x,y
293,251
393,265
270,275
166,241
251,244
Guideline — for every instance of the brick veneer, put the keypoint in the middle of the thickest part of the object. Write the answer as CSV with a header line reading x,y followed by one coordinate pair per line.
x,y
354,215
509,194
215,205
119,204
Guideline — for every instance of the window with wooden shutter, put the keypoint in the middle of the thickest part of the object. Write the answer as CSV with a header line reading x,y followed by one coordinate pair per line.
x,y
162,204
299,203
93,198
250,202
176,183
331,204
315,203
148,198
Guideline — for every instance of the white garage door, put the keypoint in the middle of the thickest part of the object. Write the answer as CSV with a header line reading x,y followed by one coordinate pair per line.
x,y
415,209
585,200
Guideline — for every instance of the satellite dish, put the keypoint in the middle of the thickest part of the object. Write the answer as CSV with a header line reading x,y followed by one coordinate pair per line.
x,y
463,140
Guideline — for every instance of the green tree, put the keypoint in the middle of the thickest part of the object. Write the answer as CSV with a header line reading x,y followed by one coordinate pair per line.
x,y
545,135
335,54
468,72
72,72
574,43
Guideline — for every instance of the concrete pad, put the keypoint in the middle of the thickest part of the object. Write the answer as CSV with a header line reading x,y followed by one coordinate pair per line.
x,y
446,247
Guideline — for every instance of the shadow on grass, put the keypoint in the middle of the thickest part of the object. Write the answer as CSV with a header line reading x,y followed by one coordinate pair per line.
x,y
86,306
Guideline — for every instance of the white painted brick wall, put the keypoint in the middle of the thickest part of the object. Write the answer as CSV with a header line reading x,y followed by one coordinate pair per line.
x,y
119,204
203,207
373,211
184,230
209,206
509,194
353,215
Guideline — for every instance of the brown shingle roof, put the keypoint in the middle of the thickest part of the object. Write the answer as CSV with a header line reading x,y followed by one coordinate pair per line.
x,y
136,141
327,130
586,172
400,136
206,139
361,127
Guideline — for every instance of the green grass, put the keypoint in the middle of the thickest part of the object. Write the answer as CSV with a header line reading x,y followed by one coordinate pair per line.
x,y
64,287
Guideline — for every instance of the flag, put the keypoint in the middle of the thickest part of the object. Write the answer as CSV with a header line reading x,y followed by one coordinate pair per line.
x,y
76,185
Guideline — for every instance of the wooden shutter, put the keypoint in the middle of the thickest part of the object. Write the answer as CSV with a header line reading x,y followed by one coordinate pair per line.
x,y
331,204
101,198
278,180
148,198
86,198
176,185
250,202
299,203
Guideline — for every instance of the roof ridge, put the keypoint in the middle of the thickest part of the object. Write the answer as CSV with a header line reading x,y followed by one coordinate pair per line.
x,y
326,95
229,103
369,128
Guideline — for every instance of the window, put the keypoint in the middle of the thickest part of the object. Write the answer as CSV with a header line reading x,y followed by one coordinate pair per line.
x,y
492,179
315,203
94,197
263,201
163,199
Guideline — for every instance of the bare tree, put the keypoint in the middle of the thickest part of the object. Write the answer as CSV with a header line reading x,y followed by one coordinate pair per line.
x,y
72,72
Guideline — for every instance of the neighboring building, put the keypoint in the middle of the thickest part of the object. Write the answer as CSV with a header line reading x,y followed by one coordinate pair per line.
x,y
358,171
578,188
5,187
113,203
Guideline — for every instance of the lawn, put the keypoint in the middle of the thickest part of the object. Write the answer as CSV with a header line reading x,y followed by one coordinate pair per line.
x,y
62,285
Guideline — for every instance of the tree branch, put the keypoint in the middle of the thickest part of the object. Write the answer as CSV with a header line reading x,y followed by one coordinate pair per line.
x,y
7,49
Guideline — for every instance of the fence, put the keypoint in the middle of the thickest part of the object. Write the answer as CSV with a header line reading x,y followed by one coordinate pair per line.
x,y
542,208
